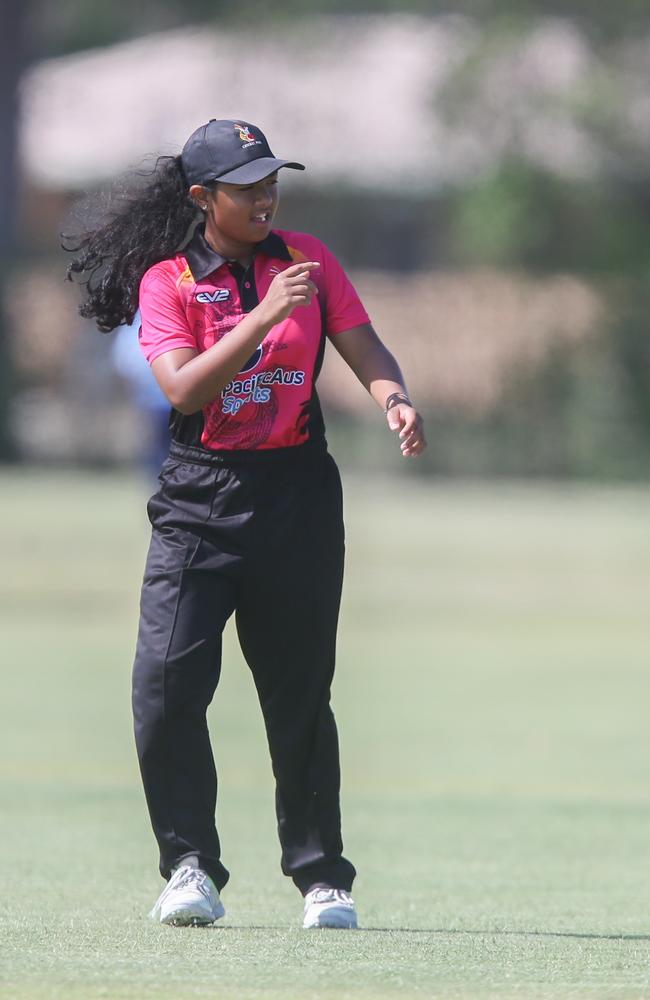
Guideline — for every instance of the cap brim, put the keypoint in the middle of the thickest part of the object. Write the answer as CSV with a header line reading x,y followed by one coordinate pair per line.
x,y
256,170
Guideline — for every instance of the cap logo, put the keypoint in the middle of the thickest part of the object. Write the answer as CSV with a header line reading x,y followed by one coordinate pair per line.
x,y
245,133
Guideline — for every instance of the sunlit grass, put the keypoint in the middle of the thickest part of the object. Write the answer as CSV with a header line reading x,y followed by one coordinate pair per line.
x,y
491,694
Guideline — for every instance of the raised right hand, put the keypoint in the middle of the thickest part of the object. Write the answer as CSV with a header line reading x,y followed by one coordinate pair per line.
x,y
289,289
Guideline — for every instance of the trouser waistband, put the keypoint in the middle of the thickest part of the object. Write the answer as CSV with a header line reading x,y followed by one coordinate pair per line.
x,y
205,456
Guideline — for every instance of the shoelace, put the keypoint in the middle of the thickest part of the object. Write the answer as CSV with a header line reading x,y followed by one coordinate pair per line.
x,y
183,876
330,896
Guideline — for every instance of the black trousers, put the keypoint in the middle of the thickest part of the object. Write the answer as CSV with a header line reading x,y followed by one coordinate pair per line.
x,y
260,534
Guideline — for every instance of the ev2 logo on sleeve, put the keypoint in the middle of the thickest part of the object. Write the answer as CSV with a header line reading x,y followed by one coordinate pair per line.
x,y
218,295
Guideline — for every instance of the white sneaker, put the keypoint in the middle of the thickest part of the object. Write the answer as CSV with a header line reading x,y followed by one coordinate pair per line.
x,y
329,908
190,897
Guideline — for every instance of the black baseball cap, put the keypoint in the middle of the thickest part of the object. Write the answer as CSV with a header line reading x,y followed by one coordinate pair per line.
x,y
232,151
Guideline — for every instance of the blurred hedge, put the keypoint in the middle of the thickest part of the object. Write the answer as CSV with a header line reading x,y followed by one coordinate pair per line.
x,y
583,413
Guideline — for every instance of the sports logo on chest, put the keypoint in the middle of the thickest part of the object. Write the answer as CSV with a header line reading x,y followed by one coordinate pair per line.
x,y
216,295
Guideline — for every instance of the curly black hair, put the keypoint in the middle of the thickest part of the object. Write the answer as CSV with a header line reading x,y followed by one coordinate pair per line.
x,y
150,223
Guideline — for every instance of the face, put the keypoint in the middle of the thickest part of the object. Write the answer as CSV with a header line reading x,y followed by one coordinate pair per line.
x,y
241,213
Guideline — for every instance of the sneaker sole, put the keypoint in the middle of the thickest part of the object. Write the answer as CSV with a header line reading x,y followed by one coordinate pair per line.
x,y
184,918
335,919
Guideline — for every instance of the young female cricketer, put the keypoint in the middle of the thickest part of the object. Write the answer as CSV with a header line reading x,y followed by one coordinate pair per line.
x,y
248,517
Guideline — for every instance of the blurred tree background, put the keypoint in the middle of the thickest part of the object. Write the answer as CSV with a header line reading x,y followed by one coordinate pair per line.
x,y
508,267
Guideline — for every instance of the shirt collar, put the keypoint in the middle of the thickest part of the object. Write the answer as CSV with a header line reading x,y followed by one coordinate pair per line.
x,y
203,260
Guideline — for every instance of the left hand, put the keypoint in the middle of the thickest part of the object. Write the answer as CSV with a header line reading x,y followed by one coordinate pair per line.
x,y
407,422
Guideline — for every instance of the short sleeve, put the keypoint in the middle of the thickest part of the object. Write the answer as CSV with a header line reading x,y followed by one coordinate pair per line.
x,y
343,307
164,322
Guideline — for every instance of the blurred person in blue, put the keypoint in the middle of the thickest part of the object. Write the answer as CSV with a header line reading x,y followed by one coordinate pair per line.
x,y
146,395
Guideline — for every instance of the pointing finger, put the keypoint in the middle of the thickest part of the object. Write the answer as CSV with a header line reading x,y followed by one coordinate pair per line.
x,y
302,269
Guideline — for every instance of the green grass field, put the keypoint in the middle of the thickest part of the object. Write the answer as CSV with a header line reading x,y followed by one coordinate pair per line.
x,y
492,697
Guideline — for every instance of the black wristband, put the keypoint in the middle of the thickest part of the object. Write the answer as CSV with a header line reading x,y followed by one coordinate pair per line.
x,y
394,399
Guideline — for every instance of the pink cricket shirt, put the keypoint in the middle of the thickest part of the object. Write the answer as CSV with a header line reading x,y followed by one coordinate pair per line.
x,y
197,297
